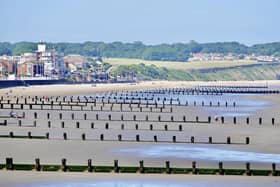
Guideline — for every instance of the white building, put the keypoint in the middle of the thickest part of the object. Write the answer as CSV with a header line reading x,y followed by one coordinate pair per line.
x,y
51,60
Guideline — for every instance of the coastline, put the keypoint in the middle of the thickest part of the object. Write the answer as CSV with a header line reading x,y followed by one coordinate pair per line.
x,y
87,89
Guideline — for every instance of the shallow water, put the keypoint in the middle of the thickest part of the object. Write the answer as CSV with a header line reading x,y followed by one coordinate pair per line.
x,y
198,152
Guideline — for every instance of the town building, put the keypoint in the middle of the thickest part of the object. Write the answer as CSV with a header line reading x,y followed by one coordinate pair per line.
x,y
42,63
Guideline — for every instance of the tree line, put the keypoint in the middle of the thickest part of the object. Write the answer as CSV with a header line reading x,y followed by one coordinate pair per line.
x,y
163,52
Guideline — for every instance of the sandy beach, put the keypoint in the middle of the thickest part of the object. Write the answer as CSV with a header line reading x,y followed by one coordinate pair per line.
x,y
50,179
87,89
261,151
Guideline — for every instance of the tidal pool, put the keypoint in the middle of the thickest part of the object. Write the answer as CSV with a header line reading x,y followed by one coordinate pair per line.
x,y
198,152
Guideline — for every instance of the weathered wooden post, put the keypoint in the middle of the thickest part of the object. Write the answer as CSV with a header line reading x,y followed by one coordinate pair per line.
x,y
120,137
180,128
72,116
96,116
184,118
222,119
62,124
273,171
9,163
209,119
29,135
77,125
49,124
174,139
141,167
248,169
167,166
210,139
11,134
90,167
155,138
63,165
228,140
192,139
23,114
83,136
116,166
101,137
137,138
221,169
19,122
194,169
247,140
85,116
60,116
37,164
65,136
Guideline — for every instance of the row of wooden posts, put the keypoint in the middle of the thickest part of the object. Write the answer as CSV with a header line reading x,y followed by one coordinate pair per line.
x,y
222,119
184,119
141,169
137,138
211,90
130,102
82,108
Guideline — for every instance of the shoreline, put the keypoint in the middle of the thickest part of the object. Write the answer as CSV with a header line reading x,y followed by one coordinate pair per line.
x,y
88,89
23,178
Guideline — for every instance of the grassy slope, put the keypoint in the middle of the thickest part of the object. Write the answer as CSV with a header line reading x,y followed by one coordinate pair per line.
x,y
192,70
179,65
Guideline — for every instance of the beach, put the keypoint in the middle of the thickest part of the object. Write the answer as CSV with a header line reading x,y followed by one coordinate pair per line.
x,y
106,130
87,89
54,179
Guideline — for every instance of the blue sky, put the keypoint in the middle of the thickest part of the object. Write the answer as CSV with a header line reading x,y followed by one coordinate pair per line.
x,y
150,21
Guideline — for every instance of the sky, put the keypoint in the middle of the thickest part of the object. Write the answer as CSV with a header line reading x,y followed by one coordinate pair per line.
x,y
150,21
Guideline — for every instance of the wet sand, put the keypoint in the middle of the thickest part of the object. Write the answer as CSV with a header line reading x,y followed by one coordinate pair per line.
x,y
50,179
